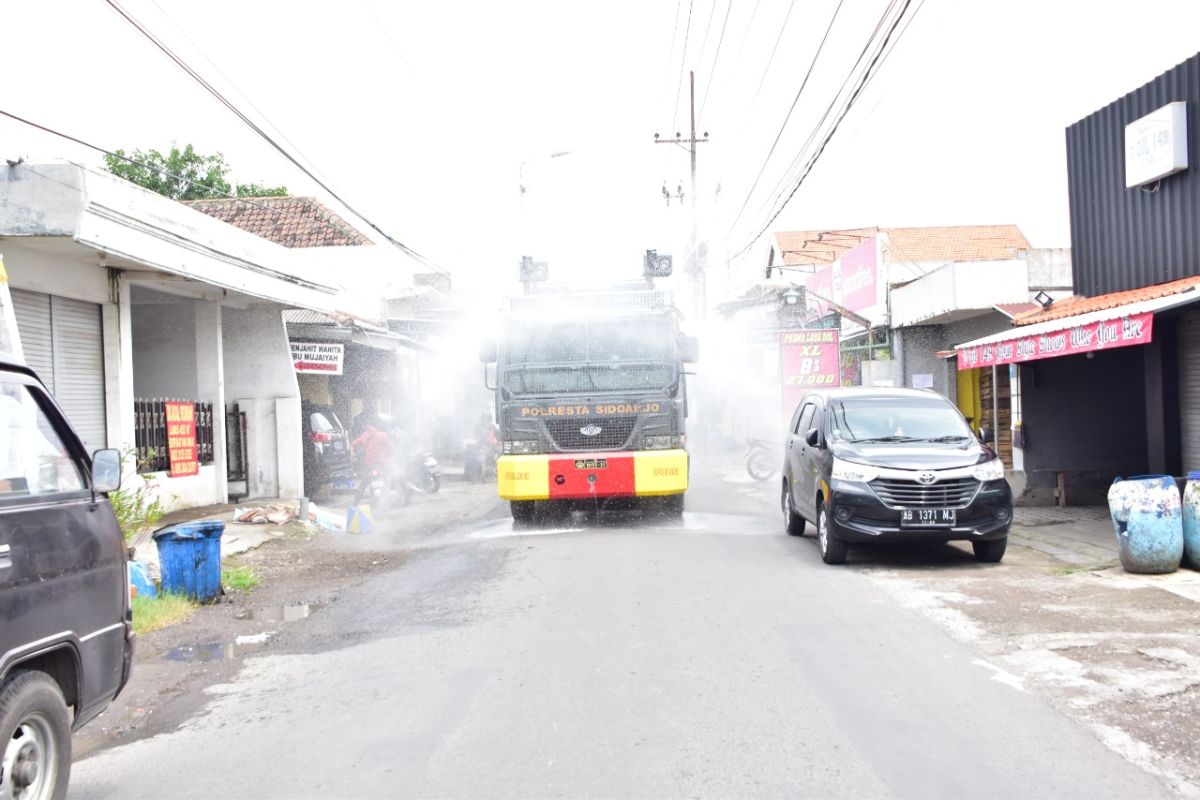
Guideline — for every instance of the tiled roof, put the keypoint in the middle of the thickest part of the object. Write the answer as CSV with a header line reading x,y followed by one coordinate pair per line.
x,y
1071,306
1014,310
944,243
289,221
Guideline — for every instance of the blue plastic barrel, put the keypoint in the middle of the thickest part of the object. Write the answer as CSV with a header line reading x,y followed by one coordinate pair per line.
x,y
189,556
1191,519
1147,515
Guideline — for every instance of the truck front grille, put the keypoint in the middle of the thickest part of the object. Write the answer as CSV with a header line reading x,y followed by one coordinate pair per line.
x,y
953,493
614,432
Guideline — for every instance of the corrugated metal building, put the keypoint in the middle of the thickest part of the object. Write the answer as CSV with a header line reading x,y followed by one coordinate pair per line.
x,y
1124,238
1109,380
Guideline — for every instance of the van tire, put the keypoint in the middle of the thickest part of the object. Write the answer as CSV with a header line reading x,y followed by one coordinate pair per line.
x,y
35,735
793,523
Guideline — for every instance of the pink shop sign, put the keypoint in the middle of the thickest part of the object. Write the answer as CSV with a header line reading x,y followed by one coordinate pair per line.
x,y
1104,335
851,280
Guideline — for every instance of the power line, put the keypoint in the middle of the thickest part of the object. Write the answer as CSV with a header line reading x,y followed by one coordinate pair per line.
x,y
716,57
788,118
277,211
846,109
774,50
228,80
712,10
795,166
687,32
267,138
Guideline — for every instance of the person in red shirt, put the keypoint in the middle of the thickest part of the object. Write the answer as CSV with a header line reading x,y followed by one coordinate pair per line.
x,y
374,451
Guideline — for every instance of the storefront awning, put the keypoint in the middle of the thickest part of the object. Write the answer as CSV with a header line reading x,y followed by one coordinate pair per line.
x,y
1104,329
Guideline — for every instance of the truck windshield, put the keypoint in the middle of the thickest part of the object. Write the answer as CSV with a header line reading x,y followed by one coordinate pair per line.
x,y
631,354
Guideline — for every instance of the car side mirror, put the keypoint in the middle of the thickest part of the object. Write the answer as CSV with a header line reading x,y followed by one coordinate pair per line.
x,y
985,435
487,351
106,470
813,437
689,349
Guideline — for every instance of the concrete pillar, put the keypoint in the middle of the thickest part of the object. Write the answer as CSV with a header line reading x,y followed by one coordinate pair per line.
x,y
116,318
289,447
210,385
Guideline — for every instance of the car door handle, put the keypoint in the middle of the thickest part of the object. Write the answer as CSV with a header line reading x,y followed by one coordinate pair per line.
x,y
5,557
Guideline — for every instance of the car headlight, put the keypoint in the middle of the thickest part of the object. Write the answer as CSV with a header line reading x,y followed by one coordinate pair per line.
x,y
989,470
520,448
673,441
849,471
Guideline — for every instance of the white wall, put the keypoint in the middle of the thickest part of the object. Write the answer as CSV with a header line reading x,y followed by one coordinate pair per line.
x,y
258,372
963,285
164,347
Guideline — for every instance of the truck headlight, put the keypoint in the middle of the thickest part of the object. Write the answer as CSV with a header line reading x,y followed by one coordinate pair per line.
x,y
674,441
989,471
855,473
521,448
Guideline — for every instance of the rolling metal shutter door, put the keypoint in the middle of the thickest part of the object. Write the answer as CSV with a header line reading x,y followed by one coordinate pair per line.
x,y
1189,390
33,325
63,341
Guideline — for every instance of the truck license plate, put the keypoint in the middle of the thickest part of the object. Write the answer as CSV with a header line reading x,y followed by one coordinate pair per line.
x,y
928,518
591,463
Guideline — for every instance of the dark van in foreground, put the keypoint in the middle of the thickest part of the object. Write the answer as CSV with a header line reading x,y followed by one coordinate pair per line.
x,y
66,633
868,464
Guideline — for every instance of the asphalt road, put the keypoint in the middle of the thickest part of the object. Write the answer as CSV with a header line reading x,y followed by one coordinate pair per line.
x,y
713,657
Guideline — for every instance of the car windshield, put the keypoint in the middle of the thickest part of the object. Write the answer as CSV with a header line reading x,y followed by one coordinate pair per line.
x,y
896,419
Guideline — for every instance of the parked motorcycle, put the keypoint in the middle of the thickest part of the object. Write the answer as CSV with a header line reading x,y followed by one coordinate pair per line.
x,y
762,459
424,474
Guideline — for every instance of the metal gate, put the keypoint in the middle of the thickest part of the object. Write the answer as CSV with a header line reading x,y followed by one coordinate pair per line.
x,y
237,469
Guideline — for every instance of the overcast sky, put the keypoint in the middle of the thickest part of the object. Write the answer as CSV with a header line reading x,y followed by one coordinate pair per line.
x,y
429,116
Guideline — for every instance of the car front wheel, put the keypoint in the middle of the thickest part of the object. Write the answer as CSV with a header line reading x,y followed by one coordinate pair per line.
x,y
990,552
36,744
833,551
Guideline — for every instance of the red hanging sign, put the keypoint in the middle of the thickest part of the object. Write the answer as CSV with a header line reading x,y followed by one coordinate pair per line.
x,y
181,439
1104,335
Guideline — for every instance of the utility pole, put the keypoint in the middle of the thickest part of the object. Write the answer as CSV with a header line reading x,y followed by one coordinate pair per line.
x,y
695,268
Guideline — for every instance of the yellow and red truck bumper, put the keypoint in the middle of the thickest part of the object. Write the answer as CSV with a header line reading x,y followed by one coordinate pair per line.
x,y
568,476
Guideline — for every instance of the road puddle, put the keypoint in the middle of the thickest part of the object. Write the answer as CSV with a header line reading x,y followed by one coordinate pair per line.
x,y
211,652
290,613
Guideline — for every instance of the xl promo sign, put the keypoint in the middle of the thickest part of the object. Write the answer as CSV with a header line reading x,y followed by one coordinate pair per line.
x,y
852,280
1103,335
320,357
808,359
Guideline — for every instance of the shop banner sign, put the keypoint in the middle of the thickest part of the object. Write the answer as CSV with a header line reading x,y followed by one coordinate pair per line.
x,y
808,359
181,439
1104,335
851,281
319,357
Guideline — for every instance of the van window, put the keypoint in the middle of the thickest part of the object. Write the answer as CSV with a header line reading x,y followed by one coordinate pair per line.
x,y
805,421
33,459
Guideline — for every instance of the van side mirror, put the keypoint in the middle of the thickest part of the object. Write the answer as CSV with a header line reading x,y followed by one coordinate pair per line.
x,y
689,349
106,470
487,351
813,437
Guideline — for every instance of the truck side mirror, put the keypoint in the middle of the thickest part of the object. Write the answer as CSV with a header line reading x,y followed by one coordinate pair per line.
x,y
106,471
487,351
689,349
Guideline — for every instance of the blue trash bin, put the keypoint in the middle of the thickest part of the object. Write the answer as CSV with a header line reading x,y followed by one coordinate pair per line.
x,y
189,556
1148,520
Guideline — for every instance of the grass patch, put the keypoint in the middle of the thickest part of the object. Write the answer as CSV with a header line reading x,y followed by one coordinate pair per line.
x,y
152,613
240,577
